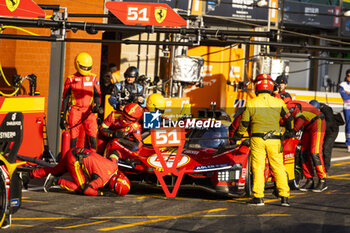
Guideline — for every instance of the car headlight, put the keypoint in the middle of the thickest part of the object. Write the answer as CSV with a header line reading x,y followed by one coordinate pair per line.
x,y
234,173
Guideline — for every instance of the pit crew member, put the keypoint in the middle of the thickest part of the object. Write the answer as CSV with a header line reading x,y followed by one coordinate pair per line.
x,y
82,91
127,91
344,90
124,125
81,162
312,120
332,130
263,114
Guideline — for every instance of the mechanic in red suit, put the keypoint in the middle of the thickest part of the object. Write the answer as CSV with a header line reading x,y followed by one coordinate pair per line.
x,y
121,125
82,91
307,116
80,162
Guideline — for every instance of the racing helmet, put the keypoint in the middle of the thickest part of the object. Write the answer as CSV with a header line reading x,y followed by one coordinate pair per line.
x,y
155,102
119,184
315,103
263,83
83,63
132,71
282,79
132,113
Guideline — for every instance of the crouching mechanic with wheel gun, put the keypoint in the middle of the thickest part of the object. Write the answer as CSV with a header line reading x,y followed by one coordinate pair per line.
x,y
124,125
79,162
263,113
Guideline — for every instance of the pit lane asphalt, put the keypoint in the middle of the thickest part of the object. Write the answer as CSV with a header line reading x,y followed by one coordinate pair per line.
x,y
147,210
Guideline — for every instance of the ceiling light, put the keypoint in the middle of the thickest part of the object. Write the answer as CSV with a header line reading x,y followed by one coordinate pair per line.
x,y
263,3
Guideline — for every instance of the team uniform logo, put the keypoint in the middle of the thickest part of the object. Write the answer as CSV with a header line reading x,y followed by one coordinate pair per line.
x,y
160,14
151,120
12,4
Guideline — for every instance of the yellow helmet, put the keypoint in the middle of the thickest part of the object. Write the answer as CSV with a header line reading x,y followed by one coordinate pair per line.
x,y
155,102
83,63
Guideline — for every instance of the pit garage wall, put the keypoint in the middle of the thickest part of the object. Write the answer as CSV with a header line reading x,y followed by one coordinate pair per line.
x,y
27,57
220,65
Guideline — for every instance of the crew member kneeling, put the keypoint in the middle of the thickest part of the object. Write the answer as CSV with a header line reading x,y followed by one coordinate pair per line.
x,y
80,162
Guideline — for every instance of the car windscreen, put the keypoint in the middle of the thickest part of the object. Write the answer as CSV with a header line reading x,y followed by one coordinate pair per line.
x,y
208,138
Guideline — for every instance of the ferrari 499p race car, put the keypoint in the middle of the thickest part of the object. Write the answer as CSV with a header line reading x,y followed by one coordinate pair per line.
x,y
207,159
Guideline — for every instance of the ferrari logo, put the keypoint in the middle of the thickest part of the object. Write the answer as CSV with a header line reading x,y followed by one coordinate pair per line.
x,y
87,78
160,14
12,4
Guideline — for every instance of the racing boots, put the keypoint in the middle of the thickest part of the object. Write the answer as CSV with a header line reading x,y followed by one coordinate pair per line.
x,y
256,201
284,201
309,185
50,181
321,186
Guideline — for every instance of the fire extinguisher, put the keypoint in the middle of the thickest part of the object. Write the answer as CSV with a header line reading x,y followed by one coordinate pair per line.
x,y
65,143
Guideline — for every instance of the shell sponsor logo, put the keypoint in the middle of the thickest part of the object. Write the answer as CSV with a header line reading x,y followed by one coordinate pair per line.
x,y
169,159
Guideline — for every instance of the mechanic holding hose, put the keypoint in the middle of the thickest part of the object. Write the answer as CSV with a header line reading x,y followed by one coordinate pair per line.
x,y
82,91
263,114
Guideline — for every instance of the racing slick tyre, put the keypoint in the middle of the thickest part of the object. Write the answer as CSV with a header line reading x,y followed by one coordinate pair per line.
x,y
2,199
298,171
248,187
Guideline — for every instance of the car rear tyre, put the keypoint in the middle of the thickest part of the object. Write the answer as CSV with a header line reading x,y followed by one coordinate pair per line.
x,y
248,187
2,199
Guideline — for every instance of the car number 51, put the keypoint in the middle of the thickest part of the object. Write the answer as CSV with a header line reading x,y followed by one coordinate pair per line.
x,y
168,137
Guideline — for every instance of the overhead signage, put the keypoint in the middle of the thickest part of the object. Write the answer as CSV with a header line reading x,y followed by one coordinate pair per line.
x,y
183,4
310,14
147,14
20,8
240,9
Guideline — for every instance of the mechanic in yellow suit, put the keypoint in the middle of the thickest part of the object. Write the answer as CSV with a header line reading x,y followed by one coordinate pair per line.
x,y
263,113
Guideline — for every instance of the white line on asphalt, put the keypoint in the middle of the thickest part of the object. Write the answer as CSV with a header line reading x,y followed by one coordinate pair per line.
x,y
341,158
40,188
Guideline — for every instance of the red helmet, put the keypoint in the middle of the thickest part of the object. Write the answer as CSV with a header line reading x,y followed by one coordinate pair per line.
x,y
264,83
132,113
119,184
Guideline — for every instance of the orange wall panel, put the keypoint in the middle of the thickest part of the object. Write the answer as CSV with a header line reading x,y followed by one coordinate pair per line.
x,y
27,57
220,64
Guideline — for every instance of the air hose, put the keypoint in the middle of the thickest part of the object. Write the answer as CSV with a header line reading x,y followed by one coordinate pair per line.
x,y
2,72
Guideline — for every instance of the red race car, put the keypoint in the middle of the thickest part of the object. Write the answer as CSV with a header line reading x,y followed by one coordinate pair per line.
x,y
207,158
